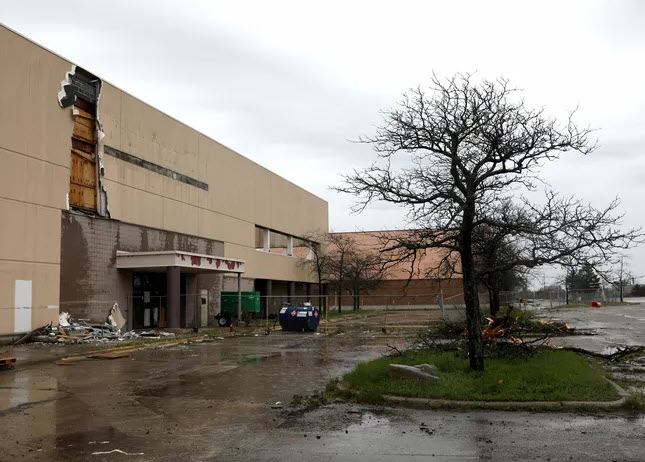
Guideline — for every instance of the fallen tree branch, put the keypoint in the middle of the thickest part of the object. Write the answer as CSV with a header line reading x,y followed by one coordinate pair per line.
x,y
619,353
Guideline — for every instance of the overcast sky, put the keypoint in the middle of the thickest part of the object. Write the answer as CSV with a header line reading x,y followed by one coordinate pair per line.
x,y
287,83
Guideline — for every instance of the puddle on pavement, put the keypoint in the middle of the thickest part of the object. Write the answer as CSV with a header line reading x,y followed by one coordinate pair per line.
x,y
191,394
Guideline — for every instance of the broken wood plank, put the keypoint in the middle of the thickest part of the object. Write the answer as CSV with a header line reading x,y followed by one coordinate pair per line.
x,y
87,134
84,146
90,108
109,355
85,155
29,335
83,113
66,336
8,361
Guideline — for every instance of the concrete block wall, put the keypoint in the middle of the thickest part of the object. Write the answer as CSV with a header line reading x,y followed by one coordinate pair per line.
x,y
90,282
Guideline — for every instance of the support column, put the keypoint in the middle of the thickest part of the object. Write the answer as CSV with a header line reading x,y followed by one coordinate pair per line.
x,y
239,297
173,289
308,291
269,301
291,291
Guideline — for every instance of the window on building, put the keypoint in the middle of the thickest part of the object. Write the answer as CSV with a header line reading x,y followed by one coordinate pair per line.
x,y
271,241
259,237
279,243
302,249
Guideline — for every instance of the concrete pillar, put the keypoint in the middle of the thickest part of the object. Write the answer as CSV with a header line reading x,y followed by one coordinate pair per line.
x,y
173,289
239,296
192,302
269,301
308,291
291,291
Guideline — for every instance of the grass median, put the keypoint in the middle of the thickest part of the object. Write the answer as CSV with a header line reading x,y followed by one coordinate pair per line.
x,y
547,375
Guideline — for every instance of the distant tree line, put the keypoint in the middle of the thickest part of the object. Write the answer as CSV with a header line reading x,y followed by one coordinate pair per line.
x,y
343,267
638,290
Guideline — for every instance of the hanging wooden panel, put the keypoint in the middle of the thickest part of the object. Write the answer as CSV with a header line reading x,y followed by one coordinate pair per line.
x,y
82,180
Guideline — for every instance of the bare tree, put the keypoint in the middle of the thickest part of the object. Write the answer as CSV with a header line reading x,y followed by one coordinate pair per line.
x,y
319,260
365,271
493,247
617,275
341,248
471,149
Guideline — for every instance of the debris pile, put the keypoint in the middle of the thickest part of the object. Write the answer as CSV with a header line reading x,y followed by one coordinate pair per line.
x,y
508,326
81,331
75,332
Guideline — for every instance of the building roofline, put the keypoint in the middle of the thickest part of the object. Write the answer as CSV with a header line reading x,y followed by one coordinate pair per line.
x,y
376,231
10,29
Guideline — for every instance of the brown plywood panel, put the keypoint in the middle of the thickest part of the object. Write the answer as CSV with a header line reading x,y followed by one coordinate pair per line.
x,y
84,113
81,196
84,105
82,179
83,131
89,156
82,188
88,122
83,146
83,171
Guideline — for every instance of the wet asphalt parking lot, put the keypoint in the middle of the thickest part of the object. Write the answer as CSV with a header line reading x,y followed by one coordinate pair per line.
x,y
217,401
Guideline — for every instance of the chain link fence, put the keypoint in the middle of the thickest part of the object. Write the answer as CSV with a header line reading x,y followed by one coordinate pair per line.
x,y
555,298
374,311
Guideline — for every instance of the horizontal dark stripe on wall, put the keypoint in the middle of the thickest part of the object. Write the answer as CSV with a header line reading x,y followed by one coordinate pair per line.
x,y
138,161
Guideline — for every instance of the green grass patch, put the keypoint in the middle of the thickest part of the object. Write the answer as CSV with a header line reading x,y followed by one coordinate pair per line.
x,y
635,402
548,375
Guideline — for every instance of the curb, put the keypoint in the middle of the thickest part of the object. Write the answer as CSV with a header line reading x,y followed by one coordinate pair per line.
x,y
434,403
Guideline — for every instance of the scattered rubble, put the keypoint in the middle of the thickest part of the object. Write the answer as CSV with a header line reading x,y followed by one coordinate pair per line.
x,y
80,331
115,318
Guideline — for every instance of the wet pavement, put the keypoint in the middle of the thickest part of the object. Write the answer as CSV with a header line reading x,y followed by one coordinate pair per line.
x,y
612,326
217,401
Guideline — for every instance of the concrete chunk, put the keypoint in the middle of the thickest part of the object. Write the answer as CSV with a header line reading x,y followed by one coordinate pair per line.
x,y
428,368
401,371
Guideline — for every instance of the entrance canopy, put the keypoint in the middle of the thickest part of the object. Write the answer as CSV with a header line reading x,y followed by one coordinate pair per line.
x,y
188,262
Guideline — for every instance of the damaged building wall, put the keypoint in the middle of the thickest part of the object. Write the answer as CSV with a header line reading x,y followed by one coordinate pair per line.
x,y
91,282
151,171
34,178
164,174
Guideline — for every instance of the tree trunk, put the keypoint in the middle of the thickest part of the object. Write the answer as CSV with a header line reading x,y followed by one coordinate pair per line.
x,y
471,300
493,293
320,295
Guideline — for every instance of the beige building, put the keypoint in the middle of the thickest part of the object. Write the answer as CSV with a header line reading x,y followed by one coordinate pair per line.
x,y
105,199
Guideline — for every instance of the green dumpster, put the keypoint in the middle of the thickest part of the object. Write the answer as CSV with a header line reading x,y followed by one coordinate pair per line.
x,y
250,304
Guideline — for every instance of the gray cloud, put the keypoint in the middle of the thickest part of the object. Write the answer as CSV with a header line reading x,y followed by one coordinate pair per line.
x,y
286,83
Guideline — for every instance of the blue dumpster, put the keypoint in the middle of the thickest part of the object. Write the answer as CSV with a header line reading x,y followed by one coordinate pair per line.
x,y
299,318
